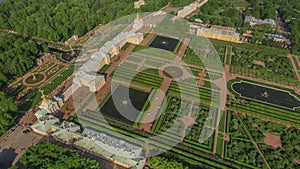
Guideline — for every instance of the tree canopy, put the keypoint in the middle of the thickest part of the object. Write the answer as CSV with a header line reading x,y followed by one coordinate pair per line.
x,y
18,53
7,112
17,56
161,162
48,155
58,20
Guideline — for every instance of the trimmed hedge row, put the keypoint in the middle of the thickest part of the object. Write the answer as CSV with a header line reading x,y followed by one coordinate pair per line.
x,y
140,78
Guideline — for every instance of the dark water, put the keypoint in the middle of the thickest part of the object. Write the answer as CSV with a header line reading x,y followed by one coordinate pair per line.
x,y
121,110
272,96
164,43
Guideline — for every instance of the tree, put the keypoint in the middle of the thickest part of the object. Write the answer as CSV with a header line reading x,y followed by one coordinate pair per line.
x,y
49,155
8,112
161,162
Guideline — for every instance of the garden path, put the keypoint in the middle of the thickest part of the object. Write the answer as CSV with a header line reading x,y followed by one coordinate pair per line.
x,y
294,66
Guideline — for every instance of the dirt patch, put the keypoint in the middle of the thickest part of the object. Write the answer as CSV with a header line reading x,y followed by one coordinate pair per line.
x,y
272,140
261,63
297,161
256,126
202,74
226,137
241,9
200,82
188,121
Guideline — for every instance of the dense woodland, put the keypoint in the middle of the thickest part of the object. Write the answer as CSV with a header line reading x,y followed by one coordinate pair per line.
x,y
58,20
49,155
290,12
17,56
19,53
8,112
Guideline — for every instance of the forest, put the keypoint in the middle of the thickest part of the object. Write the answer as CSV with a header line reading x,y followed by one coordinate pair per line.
x,y
58,20
223,13
49,155
19,53
17,56
291,16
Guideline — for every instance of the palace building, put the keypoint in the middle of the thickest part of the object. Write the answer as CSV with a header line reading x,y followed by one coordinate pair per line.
x,y
215,32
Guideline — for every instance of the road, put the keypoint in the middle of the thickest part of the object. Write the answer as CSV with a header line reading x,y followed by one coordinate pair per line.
x,y
281,26
14,144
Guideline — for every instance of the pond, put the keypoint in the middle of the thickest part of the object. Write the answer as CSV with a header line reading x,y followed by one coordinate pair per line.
x,y
164,43
122,107
266,94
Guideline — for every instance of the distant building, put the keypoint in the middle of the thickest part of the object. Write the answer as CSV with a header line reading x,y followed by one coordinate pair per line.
x,y
45,58
247,36
139,3
253,21
71,40
215,32
187,10
277,38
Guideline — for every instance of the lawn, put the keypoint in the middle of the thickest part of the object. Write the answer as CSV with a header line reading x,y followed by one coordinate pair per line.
x,y
134,58
54,83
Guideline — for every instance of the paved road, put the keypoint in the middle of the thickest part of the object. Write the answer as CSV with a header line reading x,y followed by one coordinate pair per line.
x,y
14,144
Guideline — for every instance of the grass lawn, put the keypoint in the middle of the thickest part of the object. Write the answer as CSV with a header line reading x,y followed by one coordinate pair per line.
x,y
129,65
54,83
158,53
153,63
103,69
139,48
134,59
125,46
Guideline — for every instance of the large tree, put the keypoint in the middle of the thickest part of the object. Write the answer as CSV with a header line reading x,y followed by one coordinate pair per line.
x,y
49,155
8,111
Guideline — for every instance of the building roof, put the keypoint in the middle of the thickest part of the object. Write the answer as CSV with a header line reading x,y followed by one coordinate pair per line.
x,y
94,145
273,36
41,113
112,144
259,21
46,123
218,31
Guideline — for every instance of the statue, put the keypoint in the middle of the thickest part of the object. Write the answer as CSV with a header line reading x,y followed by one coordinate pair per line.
x,y
265,94
44,100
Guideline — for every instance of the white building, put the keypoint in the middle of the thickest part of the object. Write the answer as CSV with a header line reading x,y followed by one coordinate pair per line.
x,y
86,75
187,10
139,3
253,21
